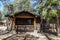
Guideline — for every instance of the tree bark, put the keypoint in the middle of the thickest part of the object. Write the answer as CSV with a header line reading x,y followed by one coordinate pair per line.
x,y
58,27
40,17
41,24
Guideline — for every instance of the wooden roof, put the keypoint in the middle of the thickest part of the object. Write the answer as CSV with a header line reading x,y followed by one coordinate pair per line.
x,y
17,13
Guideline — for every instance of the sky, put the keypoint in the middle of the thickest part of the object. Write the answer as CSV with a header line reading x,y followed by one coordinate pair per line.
x,y
34,2
1,3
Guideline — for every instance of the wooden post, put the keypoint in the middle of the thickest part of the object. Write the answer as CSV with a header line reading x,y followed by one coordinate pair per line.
x,y
10,24
13,24
34,23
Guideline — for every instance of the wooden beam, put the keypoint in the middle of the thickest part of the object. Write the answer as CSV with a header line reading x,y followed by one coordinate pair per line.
x,y
24,17
35,24
12,25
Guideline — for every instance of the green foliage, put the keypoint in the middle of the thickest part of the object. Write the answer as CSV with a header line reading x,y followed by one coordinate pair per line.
x,y
8,8
22,5
53,12
18,5
49,9
1,15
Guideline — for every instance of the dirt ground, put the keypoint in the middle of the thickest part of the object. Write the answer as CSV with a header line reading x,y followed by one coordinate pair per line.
x,y
23,36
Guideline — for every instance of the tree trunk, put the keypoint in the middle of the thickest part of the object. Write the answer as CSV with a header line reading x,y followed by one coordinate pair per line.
x,y
41,24
58,27
40,17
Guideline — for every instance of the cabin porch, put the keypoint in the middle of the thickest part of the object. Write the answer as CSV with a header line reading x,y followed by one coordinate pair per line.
x,y
24,24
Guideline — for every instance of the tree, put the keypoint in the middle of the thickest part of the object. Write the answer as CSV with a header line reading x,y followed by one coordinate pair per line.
x,y
48,9
0,16
22,5
18,5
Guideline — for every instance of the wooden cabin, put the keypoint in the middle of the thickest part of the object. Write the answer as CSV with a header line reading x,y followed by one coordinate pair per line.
x,y
24,21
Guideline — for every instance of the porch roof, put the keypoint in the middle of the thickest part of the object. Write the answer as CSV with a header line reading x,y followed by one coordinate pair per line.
x,y
11,15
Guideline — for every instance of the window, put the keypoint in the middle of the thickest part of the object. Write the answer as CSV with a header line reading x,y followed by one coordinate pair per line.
x,y
24,21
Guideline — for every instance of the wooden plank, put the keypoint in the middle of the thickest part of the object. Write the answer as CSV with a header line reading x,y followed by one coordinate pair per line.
x,y
24,17
35,24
